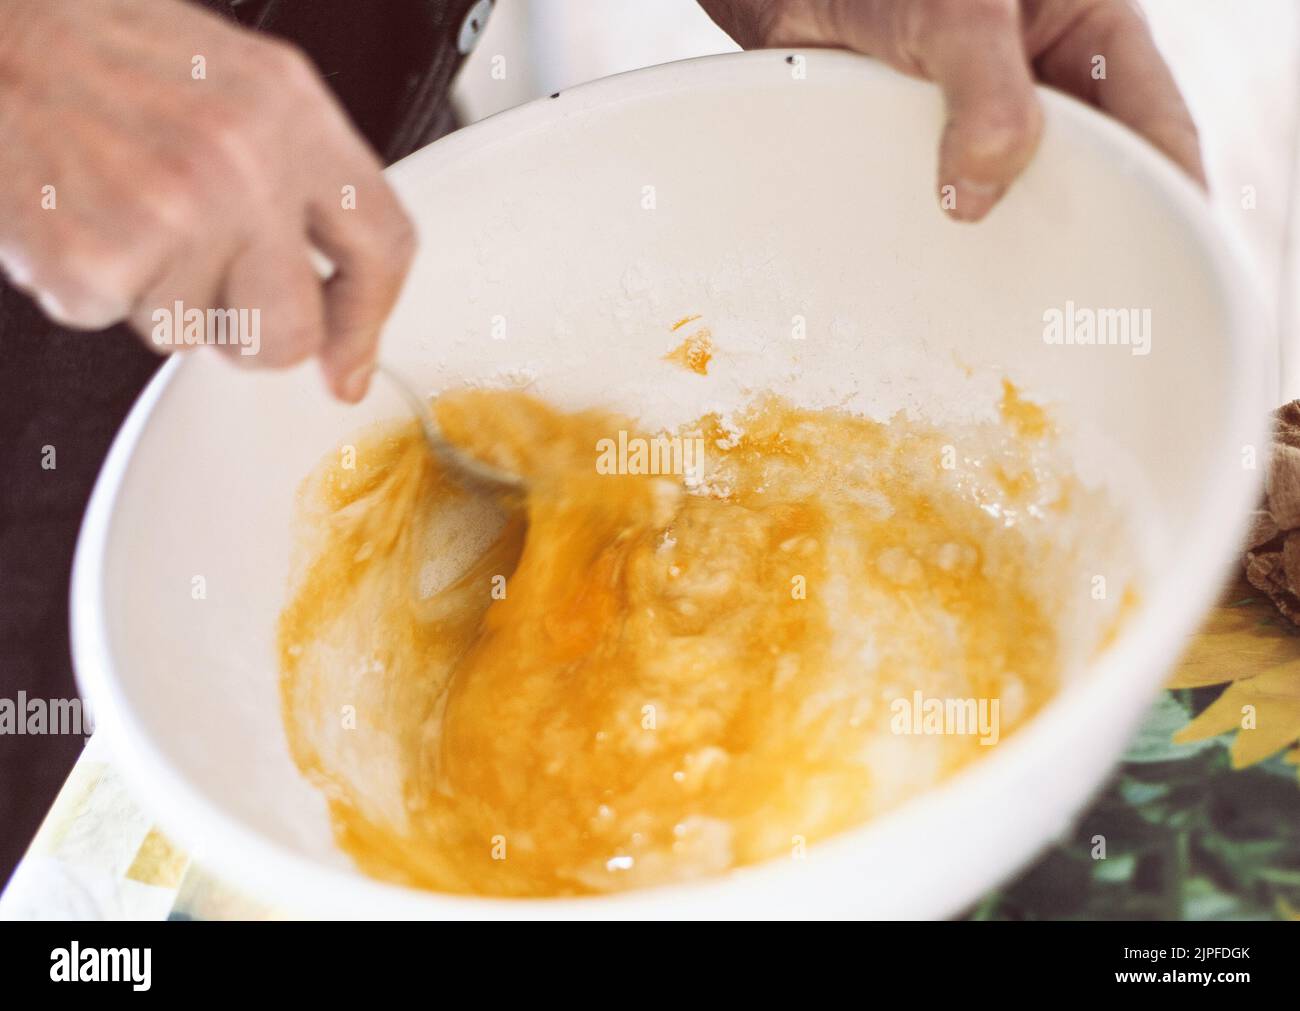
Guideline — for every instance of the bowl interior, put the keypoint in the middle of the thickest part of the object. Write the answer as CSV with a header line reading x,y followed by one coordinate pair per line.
x,y
797,216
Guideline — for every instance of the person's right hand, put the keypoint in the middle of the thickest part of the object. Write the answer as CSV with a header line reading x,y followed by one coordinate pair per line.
x,y
131,181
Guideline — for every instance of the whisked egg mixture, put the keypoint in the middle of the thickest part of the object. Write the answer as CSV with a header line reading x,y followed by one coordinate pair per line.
x,y
652,667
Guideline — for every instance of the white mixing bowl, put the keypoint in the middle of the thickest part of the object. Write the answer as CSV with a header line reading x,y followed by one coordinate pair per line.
x,y
751,189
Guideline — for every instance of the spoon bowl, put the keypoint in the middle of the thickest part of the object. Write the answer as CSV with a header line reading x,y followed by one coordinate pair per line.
x,y
454,460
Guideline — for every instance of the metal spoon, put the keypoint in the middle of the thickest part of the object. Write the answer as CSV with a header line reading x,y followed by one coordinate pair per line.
x,y
452,458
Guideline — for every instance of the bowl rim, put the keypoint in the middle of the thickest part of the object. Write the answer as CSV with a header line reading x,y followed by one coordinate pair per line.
x,y
1145,649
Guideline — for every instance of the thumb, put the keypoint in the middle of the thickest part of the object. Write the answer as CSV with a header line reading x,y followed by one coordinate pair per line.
x,y
994,120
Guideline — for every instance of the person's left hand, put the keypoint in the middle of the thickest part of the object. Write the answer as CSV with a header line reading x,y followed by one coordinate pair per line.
x,y
986,55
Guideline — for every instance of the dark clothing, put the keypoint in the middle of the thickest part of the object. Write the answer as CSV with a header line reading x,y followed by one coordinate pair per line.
x,y
390,62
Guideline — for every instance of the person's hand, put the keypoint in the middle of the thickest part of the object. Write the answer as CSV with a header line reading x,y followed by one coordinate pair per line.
x,y
153,154
985,55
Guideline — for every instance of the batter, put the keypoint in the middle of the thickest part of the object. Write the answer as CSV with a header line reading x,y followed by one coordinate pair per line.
x,y
625,679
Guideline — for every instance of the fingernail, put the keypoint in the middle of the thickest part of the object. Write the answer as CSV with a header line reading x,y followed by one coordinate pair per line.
x,y
357,381
975,199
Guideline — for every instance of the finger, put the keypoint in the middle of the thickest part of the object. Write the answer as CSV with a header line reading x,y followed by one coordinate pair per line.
x,y
272,286
79,309
1133,84
975,52
994,123
193,282
371,245
78,279
356,220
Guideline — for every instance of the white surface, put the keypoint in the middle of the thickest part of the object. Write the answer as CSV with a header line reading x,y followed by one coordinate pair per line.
x,y
766,207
